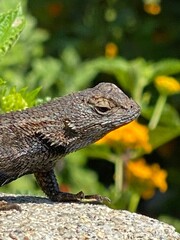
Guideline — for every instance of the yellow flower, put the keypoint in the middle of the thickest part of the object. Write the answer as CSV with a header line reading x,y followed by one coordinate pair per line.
x,y
111,50
133,135
139,169
146,178
159,177
167,85
152,8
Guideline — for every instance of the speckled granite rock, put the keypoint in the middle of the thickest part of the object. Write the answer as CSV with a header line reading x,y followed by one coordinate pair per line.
x,y
42,219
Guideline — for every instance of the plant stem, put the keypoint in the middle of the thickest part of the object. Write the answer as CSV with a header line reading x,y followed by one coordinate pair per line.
x,y
118,175
134,201
157,111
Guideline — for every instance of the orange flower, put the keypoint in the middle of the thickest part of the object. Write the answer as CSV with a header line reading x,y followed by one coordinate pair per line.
x,y
167,85
111,50
133,135
139,169
152,8
146,178
159,177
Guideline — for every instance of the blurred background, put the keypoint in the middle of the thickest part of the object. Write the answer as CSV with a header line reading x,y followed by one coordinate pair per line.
x,y
67,46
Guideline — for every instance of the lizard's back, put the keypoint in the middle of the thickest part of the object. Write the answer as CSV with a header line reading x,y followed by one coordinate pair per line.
x,y
22,149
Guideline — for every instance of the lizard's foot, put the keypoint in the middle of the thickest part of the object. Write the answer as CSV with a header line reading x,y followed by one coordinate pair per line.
x,y
96,199
5,206
49,185
79,197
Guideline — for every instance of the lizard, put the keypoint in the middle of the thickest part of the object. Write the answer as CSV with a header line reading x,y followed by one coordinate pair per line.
x,y
33,139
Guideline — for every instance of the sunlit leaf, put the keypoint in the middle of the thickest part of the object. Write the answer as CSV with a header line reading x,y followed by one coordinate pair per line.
x,y
167,67
11,25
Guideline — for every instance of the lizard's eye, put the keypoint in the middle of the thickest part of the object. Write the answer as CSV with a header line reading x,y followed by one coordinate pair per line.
x,y
101,105
102,110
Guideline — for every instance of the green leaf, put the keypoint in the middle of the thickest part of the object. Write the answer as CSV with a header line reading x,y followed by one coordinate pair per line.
x,y
162,135
167,67
2,82
90,69
11,25
169,117
30,97
14,100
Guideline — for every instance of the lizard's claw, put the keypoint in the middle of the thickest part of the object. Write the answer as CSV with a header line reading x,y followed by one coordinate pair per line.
x,y
81,197
96,199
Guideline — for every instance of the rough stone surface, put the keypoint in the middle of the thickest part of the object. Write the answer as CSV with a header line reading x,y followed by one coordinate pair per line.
x,y
42,219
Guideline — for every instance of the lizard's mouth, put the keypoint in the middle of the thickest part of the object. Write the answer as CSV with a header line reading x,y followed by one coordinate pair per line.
x,y
137,113
134,112
133,116
129,117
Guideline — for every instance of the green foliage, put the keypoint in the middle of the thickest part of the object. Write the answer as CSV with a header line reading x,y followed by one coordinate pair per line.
x,y
11,25
12,100
16,64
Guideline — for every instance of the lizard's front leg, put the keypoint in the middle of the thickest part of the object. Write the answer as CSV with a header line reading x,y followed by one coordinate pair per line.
x,y
49,185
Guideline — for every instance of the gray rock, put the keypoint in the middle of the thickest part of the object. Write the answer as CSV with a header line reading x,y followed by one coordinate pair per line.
x,y
42,219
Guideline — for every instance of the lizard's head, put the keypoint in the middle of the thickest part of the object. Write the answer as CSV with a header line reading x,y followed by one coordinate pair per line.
x,y
100,110
112,105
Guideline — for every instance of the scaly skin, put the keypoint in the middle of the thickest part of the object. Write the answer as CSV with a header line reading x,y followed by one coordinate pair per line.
x,y
32,140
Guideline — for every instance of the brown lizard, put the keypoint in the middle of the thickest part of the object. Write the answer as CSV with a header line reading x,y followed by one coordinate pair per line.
x,y
32,140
